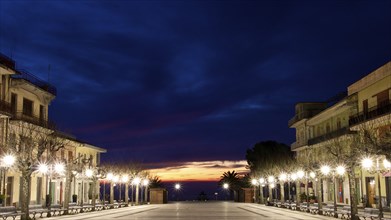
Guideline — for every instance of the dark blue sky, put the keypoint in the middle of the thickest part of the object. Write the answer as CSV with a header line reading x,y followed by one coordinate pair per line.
x,y
175,81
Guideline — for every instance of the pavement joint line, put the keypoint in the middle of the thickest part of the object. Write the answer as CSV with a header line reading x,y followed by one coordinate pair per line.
x,y
134,213
253,212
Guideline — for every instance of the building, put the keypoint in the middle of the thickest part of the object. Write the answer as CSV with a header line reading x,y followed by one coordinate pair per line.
x,y
321,126
24,107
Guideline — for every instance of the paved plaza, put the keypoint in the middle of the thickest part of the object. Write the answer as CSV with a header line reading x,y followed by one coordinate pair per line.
x,y
196,210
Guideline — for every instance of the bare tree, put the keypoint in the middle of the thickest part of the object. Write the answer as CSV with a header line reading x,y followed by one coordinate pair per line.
x,y
30,143
346,150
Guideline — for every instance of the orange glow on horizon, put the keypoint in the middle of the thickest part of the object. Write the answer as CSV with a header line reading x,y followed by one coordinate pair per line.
x,y
199,171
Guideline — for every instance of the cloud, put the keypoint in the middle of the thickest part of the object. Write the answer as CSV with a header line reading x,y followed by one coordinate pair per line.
x,y
198,170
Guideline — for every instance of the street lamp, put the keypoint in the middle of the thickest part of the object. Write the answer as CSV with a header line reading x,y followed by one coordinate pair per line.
x,y
136,181
254,182
261,185
49,170
145,184
7,162
110,177
283,178
115,180
177,188
339,170
226,187
367,163
271,181
124,180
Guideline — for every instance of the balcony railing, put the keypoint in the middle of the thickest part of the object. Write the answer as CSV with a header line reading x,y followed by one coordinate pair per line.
x,y
296,145
372,113
33,120
22,74
301,116
6,61
330,135
5,107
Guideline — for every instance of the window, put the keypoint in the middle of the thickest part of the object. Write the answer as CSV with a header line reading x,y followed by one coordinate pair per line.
x,y
97,159
338,123
70,156
383,98
27,107
42,113
365,106
14,102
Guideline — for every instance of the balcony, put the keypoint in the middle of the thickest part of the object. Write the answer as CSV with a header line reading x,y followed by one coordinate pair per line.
x,y
22,74
296,145
302,115
330,135
372,113
33,120
5,108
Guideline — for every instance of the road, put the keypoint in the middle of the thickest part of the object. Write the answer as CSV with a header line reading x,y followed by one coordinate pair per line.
x,y
197,210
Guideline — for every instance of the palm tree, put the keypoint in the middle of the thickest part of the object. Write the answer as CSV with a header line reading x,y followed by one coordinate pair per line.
x,y
233,180
156,182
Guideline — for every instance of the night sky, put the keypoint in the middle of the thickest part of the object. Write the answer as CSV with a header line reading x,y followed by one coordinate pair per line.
x,y
169,82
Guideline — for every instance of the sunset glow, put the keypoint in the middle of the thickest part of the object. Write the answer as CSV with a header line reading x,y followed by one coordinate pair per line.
x,y
199,171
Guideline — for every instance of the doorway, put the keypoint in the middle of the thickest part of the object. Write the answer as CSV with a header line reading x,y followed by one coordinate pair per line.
x,y
370,186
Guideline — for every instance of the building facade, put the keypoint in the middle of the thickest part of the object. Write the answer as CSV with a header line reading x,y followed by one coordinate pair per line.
x,y
321,126
24,107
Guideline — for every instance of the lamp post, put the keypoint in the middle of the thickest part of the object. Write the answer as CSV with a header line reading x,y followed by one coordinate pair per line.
x,y
125,180
261,185
254,182
177,188
93,174
7,162
367,163
146,184
115,181
136,182
110,177
293,177
49,170
271,184
339,170
226,187
282,178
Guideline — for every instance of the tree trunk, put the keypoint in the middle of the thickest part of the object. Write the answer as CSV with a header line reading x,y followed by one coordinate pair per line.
x,y
353,196
282,192
111,195
25,198
261,199
68,182
126,194
319,196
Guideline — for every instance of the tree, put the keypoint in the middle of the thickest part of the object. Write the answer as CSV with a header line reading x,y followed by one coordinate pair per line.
x,y
233,180
269,158
266,154
156,182
346,150
29,143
